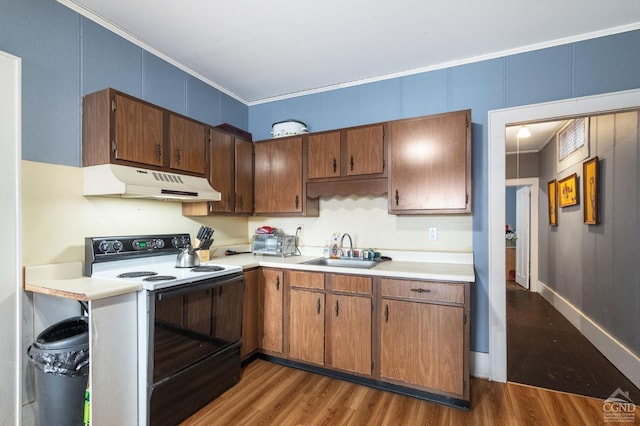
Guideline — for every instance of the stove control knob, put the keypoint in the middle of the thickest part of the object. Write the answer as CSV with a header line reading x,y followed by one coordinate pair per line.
x,y
104,246
159,243
175,242
117,245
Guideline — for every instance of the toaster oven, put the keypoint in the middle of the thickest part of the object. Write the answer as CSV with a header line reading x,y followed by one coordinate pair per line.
x,y
273,244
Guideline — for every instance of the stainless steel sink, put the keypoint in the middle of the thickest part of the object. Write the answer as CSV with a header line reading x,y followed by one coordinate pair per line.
x,y
343,263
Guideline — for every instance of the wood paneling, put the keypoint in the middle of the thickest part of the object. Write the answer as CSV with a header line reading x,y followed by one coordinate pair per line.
x,y
364,151
324,155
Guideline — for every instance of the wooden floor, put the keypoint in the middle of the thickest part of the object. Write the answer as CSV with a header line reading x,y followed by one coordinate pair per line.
x,y
271,394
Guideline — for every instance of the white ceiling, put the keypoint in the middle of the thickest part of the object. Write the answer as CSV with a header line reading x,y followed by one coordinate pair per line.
x,y
258,51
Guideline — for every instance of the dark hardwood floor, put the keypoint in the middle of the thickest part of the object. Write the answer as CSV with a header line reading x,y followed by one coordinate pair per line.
x,y
544,349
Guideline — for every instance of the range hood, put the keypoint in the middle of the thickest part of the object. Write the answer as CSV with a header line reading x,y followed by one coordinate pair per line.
x,y
132,182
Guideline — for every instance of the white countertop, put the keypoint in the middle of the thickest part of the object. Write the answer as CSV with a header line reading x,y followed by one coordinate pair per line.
x,y
66,280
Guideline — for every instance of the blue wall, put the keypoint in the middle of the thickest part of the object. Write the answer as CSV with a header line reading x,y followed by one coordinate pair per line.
x,y
602,65
65,56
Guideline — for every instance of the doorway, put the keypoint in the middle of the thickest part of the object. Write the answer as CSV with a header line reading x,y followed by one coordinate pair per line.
x,y
498,121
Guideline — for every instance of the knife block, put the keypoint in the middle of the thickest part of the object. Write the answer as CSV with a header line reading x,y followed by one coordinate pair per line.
x,y
204,255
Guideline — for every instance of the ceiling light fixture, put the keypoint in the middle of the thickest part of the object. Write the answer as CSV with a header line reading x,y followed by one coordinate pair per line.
x,y
524,132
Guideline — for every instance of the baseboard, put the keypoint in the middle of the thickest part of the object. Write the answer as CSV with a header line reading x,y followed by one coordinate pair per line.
x,y
480,365
619,355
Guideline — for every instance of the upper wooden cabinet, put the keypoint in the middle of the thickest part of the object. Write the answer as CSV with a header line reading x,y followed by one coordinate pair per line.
x,y
279,183
430,164
355,151
231,173
118,128
187,145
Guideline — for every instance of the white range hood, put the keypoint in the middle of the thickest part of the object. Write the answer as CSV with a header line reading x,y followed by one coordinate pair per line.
x,y
132,182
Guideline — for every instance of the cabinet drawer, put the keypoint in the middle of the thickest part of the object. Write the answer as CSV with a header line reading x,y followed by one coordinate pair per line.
x,y
306,279
423,290
350,283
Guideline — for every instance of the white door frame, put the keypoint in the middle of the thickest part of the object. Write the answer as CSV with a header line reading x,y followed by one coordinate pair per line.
x,y
10,251
498,121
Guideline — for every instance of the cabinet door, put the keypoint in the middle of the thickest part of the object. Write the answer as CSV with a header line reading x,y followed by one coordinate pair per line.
x,y
306,326
430,168
272,305
222,170
244,176
364,150
138,132
349,341
250,313
187,144
278,176
422,344
324,155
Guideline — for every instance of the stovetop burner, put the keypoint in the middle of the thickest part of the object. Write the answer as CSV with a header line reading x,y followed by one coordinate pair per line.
x,y
159,278
136,274
207,268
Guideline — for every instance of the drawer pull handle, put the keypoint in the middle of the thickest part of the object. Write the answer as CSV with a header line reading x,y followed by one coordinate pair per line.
x,y
335,165
278,282
318,306
386,313
421,290
337,308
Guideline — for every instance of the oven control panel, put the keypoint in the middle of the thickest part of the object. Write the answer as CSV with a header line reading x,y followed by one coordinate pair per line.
x,y
108,249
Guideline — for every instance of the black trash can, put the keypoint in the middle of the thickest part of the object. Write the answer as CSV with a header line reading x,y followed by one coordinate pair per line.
x,y
61,357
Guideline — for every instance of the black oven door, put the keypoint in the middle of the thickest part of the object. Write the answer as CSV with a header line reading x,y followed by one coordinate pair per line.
x,y
194,357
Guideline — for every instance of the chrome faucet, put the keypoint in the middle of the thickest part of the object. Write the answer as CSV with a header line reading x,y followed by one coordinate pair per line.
x,y
350,245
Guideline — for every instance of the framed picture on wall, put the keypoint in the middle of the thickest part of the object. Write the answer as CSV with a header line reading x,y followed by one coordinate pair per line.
x,y
591,191
552,190
568,191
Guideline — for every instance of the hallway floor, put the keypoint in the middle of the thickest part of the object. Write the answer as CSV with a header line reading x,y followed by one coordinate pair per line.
x,y
544,349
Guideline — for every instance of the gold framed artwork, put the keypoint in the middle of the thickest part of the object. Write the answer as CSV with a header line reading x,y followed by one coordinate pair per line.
x,y
568,191
552,191
591,190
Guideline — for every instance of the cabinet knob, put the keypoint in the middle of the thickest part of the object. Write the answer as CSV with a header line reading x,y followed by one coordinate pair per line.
x,y
318,306
386,313
158,152
297,201
278,282
397,197
178,155
239,198
337,308
351,163
335,165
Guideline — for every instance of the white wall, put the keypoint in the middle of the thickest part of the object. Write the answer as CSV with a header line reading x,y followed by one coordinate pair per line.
x,y
10,119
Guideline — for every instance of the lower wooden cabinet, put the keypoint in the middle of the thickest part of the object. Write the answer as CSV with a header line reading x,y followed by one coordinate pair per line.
x,y
348,341
424,335
306,326
272,310
251,313
386,331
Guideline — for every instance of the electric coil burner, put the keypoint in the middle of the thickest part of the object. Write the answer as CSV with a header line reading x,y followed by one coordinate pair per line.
x,y
189,322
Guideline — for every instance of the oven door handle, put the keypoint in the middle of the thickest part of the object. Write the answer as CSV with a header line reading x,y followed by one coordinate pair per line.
x,y
198,285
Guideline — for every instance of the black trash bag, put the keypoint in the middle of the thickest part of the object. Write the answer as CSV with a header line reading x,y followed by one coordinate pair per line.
x,y
63,348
